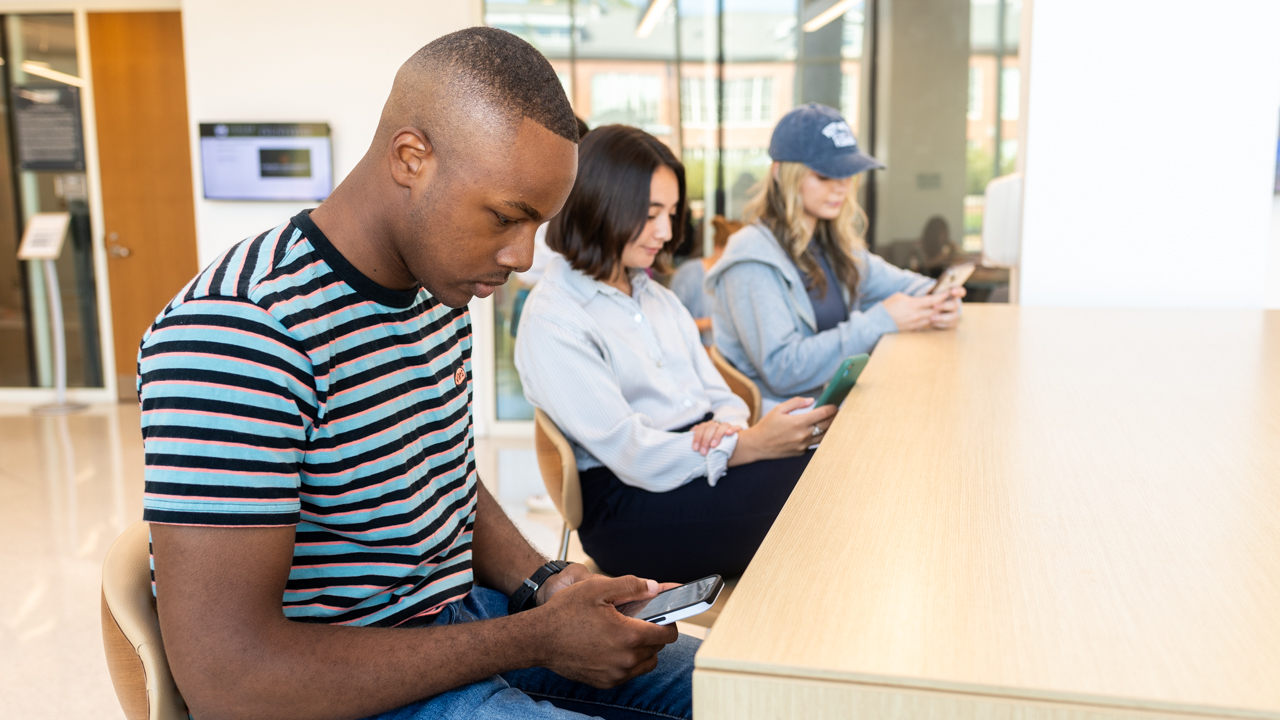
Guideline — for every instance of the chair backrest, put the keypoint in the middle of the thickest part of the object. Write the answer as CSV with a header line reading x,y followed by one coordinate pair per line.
x,y
559,468
131,632
740,384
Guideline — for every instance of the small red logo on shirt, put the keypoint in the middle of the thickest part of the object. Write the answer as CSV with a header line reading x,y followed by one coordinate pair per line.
x,y
459,376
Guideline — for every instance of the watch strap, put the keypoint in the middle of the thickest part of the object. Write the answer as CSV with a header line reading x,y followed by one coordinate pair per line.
x,y
523,598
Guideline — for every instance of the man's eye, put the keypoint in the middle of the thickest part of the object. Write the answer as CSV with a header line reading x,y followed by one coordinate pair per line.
x,y
503,221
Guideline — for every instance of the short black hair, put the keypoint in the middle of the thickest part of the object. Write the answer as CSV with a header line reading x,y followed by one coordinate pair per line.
x,y
609,203
505,71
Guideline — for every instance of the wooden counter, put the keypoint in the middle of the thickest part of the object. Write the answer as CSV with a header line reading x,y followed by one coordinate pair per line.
x,y
1047,513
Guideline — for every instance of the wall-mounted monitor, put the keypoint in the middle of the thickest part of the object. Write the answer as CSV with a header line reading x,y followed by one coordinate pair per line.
x,y
266,161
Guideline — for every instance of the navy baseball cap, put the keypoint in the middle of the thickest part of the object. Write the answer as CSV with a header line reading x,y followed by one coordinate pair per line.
x,y
818,136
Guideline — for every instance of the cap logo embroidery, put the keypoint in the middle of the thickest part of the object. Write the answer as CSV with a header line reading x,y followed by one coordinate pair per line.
x,y
840,134
459,376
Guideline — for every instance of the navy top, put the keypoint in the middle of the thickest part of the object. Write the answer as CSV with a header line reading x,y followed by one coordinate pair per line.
x,y
828,309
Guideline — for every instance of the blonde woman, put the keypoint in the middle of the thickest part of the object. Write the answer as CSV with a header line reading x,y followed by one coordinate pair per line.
x,y
796,291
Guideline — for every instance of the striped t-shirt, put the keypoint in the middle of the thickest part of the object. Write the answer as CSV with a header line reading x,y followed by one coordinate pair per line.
x,y
283,387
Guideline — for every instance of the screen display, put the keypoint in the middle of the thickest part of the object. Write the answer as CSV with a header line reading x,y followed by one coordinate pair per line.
x,y
671,600
266,161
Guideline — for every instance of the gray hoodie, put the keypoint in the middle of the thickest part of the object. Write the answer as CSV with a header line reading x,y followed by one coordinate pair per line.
x,y
764,322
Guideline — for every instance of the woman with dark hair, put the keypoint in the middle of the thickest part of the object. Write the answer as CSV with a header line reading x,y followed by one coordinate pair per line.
x,y
674,483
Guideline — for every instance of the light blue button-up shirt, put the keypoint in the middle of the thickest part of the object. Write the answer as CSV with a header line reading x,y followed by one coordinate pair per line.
x,y
617,373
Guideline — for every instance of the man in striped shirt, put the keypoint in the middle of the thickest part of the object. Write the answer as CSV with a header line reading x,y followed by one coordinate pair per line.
x,y
321,545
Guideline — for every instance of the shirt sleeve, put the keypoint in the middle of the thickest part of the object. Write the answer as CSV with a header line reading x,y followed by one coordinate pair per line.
x,y
565,375
880,280
228,398
788,361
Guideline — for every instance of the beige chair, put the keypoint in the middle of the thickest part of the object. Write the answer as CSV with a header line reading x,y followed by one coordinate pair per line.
x,y
131,632
559,470
740,384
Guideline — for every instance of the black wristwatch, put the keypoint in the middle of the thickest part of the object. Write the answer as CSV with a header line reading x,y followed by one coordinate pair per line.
x,y
524,596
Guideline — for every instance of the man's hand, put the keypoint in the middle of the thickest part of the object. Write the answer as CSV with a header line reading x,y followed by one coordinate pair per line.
x,y
912,313
588,640
576,572
948,312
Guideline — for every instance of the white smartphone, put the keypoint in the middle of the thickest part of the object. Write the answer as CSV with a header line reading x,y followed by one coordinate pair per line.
x,y
954,277
677,603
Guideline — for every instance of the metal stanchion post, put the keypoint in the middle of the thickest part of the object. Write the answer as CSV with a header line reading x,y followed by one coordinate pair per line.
x,y
60,405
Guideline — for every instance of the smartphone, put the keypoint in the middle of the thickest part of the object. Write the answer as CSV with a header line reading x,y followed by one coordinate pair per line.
x,y
678,603
843,381
954,277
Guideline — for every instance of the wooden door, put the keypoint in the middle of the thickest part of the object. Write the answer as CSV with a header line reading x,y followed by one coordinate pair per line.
x,y
144,153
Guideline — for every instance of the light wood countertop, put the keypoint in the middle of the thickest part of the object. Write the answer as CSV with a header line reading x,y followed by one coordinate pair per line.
x,y
1057,506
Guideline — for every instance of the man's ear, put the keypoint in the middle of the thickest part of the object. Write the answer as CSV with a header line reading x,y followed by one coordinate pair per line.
x,y
412,157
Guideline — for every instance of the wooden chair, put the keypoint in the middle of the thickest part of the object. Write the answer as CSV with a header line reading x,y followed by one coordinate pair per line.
x,y
740,384
131,632
559,470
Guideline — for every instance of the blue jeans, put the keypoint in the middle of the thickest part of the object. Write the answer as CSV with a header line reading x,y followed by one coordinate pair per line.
x,y
538,693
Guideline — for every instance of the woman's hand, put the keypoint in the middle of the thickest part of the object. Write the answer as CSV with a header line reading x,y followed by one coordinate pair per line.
x,y
948,311
913,313
780,434
708,434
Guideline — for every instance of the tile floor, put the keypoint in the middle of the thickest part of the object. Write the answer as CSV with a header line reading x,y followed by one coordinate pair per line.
x,y
68,487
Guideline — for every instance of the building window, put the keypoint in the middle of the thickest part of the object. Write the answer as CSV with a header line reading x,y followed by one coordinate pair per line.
x,y
626,98
697,101
849,98
1010,93
749,100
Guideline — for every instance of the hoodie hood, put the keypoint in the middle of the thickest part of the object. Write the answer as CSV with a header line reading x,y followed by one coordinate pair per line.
x,y
756,244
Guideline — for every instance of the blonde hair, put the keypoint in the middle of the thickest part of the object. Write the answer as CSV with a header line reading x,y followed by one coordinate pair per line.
x,y
777,205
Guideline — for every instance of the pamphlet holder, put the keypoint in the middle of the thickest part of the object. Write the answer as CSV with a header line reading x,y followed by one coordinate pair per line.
x,y
42,242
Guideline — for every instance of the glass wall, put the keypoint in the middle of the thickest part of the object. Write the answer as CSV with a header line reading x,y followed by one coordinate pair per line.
x,y
42,169
991,128
711,78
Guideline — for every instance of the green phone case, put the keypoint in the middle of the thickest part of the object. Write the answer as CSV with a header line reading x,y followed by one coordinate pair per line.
x,y
843,381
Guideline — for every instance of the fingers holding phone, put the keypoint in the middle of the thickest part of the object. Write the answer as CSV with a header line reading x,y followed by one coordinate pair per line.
x,y
783,432
948,312
912,313
588,640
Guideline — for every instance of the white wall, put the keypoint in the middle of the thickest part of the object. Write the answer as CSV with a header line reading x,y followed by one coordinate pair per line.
x,y
1273,272
297,61
1151,142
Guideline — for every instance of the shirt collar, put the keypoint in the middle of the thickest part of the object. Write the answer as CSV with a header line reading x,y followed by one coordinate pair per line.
x,y
584,288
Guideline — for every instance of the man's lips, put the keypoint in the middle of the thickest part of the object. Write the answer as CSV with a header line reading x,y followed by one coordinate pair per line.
x,y
486,287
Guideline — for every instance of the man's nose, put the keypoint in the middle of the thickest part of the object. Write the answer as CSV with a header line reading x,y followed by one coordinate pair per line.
x,y
519,254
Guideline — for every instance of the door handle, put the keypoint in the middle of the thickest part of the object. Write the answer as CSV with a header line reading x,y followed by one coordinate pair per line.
x,y
119,251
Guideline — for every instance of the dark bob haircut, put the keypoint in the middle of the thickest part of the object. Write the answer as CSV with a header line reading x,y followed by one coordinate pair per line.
x,y
609,204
